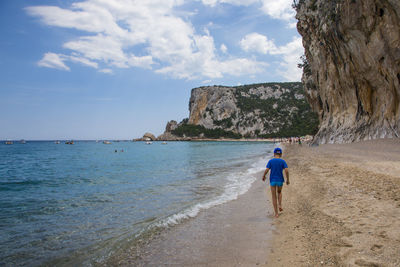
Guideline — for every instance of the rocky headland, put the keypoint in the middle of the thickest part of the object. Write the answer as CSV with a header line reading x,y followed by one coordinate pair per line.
x,y
251,111
146,137
351,70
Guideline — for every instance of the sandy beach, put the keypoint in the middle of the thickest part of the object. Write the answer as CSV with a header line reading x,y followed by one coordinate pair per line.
x,y
342,208
236,233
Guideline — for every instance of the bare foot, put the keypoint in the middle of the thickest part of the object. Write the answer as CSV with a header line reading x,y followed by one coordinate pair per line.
x,y
276,215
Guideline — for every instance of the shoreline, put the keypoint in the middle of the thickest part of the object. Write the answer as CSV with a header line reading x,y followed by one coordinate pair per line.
x,y
274,140
269,140
342,208
188,139
232,233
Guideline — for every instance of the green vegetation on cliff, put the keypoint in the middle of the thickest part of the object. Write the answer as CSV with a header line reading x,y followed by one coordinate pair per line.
x,y
251,111
289,114
190,130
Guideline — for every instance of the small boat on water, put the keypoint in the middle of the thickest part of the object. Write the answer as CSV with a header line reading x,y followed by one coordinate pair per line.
x,y
69,142
22,141
57,142
149,143
106,142
164,143
8,142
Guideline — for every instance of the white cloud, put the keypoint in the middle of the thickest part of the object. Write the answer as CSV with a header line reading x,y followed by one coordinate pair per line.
x,y
232,2
242,66
101,48
84,61
144,62
206,81
146,34
204,63
85,16
54,61
223,48
290,53
108,71
277,9
210,2
255,42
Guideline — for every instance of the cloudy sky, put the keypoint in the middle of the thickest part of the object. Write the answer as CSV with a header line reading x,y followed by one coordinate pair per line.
x,y
102,69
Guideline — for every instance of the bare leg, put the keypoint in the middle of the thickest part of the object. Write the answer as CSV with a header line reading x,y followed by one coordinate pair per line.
x,y
280,198
273,193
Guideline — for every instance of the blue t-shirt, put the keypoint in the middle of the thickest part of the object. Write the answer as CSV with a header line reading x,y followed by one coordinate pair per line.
x,y
276,167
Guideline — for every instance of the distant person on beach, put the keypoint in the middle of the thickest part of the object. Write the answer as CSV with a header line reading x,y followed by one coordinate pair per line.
x,y
276,180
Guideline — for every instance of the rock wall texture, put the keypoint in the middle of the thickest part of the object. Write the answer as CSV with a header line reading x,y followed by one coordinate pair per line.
x,y
352,70
167,135
258,110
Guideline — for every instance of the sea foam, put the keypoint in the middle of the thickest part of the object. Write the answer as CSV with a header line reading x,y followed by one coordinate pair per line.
x,y
237,184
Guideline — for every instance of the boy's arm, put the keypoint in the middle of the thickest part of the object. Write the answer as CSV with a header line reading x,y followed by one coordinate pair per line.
x,y
287,176
265,173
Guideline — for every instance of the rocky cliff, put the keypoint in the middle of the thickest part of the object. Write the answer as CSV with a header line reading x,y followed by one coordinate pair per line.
x,y
351,72
258,110
168,135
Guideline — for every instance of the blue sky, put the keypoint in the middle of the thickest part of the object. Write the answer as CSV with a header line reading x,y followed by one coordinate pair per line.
x,y
115,69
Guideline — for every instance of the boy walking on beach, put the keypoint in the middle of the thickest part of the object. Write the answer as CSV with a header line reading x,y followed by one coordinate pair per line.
x,y
277,165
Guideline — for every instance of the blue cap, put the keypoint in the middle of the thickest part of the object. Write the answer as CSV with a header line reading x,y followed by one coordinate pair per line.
x,y
277,151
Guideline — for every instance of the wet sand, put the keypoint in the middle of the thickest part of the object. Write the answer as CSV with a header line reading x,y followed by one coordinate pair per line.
x,y
342,208
231,234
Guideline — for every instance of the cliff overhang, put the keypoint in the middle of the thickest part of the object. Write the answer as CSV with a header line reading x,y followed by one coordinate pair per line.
x,y
351,71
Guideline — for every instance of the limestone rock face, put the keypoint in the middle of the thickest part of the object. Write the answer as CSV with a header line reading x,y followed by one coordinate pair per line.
x,y
352,73
149,137
220,99
167,135
171,125
256,110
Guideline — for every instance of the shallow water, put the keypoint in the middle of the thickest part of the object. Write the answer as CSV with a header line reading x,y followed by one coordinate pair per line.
x,y
61,202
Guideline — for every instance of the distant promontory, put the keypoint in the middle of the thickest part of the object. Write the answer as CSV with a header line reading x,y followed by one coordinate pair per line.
x,y
266,110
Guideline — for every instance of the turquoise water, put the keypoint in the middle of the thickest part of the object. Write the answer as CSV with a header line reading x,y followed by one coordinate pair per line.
x,y
77,203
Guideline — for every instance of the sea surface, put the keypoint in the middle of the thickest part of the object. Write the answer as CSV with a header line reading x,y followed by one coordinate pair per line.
x,y
78,204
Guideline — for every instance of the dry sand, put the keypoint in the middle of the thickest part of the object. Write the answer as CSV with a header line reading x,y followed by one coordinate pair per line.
x,y
342,208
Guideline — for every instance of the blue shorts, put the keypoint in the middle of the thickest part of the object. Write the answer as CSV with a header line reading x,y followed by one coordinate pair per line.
x,y
276,183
